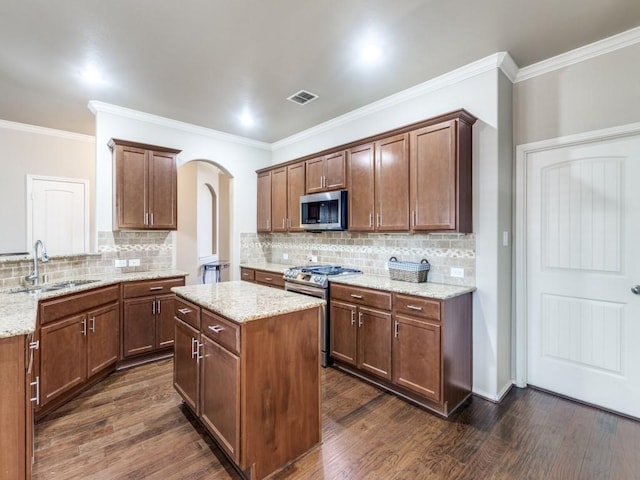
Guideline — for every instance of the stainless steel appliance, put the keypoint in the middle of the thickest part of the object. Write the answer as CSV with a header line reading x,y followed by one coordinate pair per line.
x,y
324,211
313,280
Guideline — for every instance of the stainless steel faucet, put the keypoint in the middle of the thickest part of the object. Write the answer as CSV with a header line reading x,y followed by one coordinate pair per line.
x,y
35,276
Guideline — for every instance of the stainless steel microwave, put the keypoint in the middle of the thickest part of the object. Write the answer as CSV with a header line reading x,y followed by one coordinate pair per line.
x,y
324,211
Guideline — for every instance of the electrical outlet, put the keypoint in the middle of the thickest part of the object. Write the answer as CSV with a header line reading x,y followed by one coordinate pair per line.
x,y
120,263
457,272
134,262
314,258
285,256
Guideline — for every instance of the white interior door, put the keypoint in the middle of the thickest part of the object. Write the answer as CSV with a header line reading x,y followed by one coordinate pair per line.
x,y
582,261
58,214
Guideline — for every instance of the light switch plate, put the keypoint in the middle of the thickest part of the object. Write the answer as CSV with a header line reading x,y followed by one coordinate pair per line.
x,y
457,272
285,256
134,262
120,263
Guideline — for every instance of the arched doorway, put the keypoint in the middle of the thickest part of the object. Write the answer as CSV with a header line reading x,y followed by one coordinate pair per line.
x,y
204,219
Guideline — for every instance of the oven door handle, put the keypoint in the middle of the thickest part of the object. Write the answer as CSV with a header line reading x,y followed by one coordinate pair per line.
x,y
312,291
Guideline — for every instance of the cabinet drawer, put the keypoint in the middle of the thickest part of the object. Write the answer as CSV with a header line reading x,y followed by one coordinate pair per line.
x,y
225,332
269,278
361,296
187,312
416,306
71,304
150,287
247,274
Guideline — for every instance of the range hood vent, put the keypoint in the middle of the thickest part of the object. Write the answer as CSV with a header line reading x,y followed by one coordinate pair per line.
x,y
302,97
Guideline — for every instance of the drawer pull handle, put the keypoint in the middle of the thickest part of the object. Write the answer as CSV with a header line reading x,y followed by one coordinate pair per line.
x,y
356,296
155,289
268,279
184,311
215,328
414,307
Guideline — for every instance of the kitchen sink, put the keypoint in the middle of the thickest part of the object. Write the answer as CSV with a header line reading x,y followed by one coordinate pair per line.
x,y
52,287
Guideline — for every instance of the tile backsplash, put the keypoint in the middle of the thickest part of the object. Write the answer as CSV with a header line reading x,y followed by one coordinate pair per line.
x,y
153,249
367,251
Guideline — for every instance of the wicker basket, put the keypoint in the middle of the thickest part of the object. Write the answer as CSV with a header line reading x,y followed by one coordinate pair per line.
x,y
408,271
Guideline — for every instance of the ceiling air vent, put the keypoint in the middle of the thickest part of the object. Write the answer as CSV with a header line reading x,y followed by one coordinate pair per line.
x,y
302,97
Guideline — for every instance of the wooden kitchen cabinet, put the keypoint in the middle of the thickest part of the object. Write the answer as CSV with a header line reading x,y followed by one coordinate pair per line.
x,y
16,417
264,202
441,181
421,350
145,186
263,277
244,373
327,172
378,185
279,192
220,395
147,316
79,338
417,356
361,335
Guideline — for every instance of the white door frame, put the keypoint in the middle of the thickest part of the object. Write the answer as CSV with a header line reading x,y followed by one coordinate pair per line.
x,y
29,189
520,265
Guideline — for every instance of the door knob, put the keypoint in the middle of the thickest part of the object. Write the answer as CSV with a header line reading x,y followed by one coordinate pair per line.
x,y
636,289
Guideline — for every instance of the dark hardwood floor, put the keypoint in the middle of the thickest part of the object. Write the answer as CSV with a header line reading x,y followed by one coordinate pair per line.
x,y
133,426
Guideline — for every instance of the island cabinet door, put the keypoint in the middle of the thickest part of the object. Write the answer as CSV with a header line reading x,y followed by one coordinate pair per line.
x,y
185,363
343,332
220,395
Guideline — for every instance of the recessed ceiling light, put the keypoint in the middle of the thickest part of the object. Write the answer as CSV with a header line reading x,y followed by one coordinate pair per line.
x,y
246,119
92,75
371,53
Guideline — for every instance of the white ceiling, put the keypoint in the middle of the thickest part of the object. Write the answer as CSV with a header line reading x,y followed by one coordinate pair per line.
x,y
204,61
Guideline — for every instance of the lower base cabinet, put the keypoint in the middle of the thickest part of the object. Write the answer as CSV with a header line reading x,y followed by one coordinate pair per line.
x,y
421,350
79,340
16,410
239,381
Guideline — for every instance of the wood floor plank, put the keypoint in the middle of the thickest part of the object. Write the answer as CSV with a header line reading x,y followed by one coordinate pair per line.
x,y
133,426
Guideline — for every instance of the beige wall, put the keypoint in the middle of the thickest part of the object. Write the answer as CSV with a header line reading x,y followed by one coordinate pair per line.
x,y
597,93
28,150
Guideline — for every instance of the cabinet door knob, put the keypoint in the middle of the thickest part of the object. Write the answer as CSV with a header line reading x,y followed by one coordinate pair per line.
x,y
636,289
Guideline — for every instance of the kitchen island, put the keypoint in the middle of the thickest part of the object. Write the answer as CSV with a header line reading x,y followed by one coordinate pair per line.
x,y
247,366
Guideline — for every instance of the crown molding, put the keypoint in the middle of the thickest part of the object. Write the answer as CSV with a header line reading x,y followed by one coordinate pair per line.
x,y
52,132
500,60
601,47
101,107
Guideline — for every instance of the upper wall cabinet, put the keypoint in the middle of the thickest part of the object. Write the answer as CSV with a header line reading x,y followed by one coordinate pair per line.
x,y
326,173
279,191
378,185
145,186
440,163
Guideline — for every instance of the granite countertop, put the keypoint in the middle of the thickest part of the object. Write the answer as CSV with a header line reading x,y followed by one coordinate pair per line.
x,y
244,301
268,267
439,291
18,311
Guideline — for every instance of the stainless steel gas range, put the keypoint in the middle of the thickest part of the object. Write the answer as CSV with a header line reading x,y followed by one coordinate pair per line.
x,y
313,280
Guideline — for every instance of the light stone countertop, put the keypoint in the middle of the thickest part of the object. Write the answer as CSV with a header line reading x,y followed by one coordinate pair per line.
x,y
438,291
268,267
18,311
244,301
